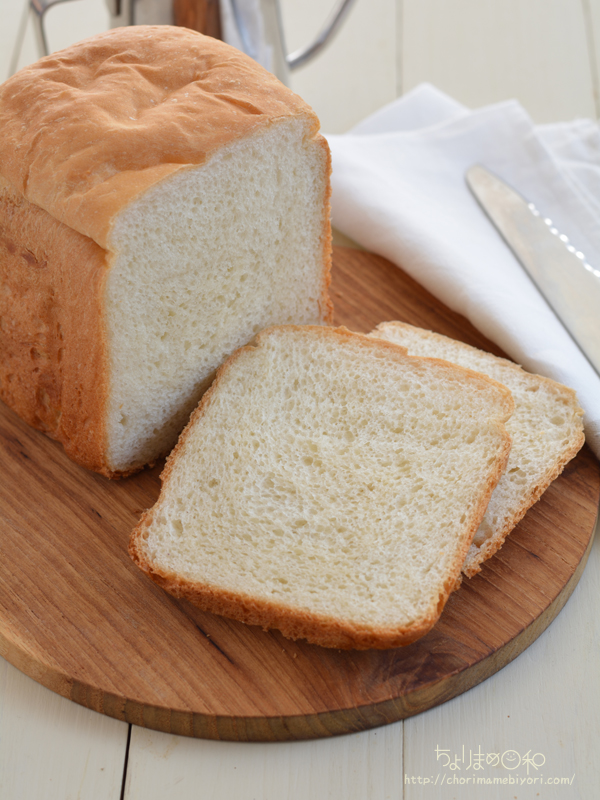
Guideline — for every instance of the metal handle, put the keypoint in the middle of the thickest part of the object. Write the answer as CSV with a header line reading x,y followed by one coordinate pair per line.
x,y
121,13
39,8
244,34
334,21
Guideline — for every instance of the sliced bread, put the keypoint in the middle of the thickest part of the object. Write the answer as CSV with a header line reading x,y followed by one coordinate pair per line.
x,y
546,430
329,486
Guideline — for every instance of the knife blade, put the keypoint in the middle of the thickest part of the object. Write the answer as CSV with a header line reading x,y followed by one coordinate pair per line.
x,y
561,272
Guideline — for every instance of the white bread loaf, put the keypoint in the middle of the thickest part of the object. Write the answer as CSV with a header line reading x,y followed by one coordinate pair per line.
x,y
546,430
162,199
329,486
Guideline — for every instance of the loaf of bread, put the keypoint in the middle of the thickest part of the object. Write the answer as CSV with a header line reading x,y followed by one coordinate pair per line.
x,y
162,199
546,430
329,486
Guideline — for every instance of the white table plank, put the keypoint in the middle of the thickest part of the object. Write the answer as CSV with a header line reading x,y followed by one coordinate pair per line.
x,y
53,749
483,52
547,702
355,767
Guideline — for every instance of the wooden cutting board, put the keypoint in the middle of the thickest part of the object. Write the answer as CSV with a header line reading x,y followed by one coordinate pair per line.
x,y
80,618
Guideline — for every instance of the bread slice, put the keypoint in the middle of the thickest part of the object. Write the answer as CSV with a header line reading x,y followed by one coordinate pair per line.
x,y
162,199
328,485
546,430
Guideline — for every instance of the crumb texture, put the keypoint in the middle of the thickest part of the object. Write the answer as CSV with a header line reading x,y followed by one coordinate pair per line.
x,y
187,190
329,475
206,259
546,430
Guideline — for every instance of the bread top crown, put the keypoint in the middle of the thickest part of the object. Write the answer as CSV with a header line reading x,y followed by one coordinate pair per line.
x,y
89,128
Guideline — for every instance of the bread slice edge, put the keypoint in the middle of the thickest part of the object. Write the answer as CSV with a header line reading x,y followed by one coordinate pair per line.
x,y
476,557
293,622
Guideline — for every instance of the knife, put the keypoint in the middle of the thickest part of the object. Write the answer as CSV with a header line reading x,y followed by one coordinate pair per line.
x,y
561,272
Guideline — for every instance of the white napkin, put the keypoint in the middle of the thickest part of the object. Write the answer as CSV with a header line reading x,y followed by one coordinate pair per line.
x,y
399,190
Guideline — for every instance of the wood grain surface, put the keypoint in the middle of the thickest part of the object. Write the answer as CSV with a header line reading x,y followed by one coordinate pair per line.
x,y
80,618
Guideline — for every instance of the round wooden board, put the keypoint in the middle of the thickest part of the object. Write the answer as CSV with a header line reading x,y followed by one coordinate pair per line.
x,y
79,617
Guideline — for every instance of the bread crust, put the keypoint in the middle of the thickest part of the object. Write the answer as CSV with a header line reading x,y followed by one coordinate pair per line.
x,y
474,560
85,132
52,344
88,129
294,622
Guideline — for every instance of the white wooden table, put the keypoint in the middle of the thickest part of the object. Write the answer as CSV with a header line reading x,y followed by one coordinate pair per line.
x,y
547,702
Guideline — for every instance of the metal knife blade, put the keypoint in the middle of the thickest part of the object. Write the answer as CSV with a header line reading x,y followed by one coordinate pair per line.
x,y
561,272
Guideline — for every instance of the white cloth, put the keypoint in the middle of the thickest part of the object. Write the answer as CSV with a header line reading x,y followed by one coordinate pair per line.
x,y
399,190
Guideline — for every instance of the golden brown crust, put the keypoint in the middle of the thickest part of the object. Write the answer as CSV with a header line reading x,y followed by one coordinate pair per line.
x,y
492,545
84,132
88,129
294,623
325,305
486,550
297,623
52,348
